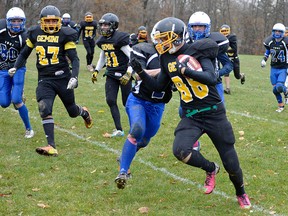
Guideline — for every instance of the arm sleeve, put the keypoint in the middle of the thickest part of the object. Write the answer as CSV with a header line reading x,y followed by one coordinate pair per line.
x,y
207,76
101,61
127,50
159,84
24,54
227,65
72,54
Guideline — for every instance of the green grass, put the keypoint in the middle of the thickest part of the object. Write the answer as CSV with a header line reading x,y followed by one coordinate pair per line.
x,y
80,181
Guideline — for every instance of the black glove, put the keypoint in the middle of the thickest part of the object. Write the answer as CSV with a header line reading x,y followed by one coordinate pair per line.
x,y
181,65
136,66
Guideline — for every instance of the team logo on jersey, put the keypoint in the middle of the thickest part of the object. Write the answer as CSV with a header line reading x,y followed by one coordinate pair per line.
x,y
48,38
171,67
107,47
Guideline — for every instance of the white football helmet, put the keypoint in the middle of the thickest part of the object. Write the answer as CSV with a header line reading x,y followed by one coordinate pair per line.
x,y
199,18
12,14
278,27
66,18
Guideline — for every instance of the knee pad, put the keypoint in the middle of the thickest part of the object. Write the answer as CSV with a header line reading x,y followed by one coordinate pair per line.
x,y
137,131
280,87
45,109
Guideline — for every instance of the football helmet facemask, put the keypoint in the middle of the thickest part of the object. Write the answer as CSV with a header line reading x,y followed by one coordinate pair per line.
x,y
50,20
199,19
88,17
169,34
112,21
15,20
142,34
225,30
280,28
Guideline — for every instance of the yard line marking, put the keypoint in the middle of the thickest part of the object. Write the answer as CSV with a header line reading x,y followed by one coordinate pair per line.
x,y
164,170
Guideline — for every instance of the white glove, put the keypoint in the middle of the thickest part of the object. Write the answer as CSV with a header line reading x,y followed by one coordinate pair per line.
x,y
73,83
263,63
12,71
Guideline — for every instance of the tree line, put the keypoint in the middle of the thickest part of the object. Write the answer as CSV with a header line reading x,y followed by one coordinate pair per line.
x,y
250,20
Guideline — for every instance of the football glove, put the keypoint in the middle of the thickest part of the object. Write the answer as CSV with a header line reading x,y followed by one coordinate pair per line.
x,y
73,83
263,63
136,66
12,71
181,65
94,76
125,78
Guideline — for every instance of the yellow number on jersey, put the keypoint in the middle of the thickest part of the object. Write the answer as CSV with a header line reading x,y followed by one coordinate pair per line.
x,y
42,58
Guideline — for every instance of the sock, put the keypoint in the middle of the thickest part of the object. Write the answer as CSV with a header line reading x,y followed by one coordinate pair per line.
x,y
48,125
128,153
23,112
237,180
83,113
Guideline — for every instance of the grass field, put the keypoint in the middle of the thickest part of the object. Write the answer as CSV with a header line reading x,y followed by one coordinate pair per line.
x,y
80,181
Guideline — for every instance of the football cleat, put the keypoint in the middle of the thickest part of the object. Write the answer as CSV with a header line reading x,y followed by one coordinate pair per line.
x,y
196,146
121,180
210,181
286,98
90,68
29,134
242,79
115,133
280,109
129,175
227,91
47,151
244,201
88,120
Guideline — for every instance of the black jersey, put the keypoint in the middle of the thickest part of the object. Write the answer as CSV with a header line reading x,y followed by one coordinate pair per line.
x,y
149,59
10,45
233,48
88,30
71,24
199,92
116,59
51,50
278,51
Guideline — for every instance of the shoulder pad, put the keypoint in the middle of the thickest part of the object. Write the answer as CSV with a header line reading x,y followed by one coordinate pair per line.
x,y
218,38
73,24
94,22
145,48
285,39
268,40
205,47
122,38
70,32
2,24
232,38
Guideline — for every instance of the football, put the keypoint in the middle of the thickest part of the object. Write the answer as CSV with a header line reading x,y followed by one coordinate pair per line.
x,y
192,63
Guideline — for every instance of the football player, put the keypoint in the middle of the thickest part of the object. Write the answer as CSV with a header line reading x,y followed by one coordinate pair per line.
x,y
12,40
199,26
276,45
52,43
88,29
66,21
202,107
144,108
115,53
233,55
142,35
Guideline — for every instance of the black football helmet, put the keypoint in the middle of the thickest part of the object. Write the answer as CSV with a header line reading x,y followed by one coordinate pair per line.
x,y
108,19
169,34
50,19
88,17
